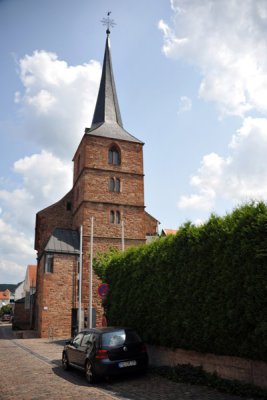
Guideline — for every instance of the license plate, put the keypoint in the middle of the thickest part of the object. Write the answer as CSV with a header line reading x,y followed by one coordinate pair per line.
x,y
127,364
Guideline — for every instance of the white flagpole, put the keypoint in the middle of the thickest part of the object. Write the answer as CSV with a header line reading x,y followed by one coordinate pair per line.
x,y
91,275
122,235
80,278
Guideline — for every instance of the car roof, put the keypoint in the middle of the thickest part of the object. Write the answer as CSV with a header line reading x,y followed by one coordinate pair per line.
x,y
107,329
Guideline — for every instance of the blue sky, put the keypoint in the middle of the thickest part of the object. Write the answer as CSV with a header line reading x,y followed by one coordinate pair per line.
x,y
191,79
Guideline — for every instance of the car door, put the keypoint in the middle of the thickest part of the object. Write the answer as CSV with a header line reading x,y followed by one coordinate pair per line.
x,y
73,348
84,347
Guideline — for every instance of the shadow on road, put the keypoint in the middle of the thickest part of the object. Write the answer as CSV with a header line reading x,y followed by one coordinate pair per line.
x,y
73,376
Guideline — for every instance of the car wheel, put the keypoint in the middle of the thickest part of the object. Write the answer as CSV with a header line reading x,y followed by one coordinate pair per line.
x,y
65,362
89,372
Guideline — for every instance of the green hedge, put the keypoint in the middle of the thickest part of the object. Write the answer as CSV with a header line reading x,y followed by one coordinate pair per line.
x,y
203,289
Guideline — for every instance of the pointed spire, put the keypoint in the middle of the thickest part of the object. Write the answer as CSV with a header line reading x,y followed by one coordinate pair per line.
x,y
107,106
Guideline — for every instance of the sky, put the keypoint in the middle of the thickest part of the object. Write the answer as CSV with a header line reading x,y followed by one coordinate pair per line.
x,y
191,79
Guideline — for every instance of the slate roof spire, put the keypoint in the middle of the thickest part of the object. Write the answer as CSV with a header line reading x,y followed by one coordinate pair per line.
x,y
107,106
107,120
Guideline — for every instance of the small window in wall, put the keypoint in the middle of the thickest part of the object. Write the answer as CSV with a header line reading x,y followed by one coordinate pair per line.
x,y
118,185
78,164
118,217
111,185
113,156
49,263
112,217
68,206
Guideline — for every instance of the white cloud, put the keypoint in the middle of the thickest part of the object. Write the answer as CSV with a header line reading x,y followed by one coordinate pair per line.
x,y
240,176
45,180
16,251
58,101
227,41
55,106
185,104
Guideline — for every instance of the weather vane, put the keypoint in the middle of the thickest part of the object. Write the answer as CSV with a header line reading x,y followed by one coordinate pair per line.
x,y
108,22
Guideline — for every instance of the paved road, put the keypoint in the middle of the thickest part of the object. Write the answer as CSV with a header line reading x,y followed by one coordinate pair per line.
x,y
31,370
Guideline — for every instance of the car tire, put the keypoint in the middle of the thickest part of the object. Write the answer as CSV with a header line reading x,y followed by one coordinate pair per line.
x,y
90,373
65,361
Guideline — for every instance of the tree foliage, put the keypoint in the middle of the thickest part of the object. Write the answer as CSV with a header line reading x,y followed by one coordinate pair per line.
x,y
6,310
203,289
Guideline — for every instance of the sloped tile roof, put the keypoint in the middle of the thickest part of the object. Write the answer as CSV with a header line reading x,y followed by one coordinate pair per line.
x,y
169,231
5,295
63,241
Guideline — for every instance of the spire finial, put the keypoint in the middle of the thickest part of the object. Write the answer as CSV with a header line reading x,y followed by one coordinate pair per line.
x,y
108,22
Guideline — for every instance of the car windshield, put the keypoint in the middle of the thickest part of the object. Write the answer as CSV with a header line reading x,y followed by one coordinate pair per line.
x,y
118,338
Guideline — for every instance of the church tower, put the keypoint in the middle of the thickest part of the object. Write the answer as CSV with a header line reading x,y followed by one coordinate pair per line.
x,y
108,185
108,181
108,173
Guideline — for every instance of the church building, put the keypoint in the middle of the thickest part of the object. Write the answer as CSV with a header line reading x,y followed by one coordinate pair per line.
x,y
108,185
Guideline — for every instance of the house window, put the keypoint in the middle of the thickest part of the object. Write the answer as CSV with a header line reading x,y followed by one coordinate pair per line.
x,y
118,217
113,156
111,185
118,185
49,261
112,217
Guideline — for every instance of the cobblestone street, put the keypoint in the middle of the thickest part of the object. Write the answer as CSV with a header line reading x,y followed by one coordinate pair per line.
x,y
31,370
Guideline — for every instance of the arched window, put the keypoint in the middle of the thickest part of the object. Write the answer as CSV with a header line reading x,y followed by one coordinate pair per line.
x,y
111,185
112,217
118,217
114,156
118,185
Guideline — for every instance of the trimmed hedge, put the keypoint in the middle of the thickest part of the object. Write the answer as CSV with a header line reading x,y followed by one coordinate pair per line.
x,y
203,289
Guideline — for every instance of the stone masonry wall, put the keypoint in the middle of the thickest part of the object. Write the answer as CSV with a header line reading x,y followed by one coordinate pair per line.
x,y
249,371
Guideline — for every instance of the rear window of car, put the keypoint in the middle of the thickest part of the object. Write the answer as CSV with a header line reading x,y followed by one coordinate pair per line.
x,y
118,338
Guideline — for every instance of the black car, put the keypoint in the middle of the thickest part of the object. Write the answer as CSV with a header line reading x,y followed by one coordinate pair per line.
x,y
105,352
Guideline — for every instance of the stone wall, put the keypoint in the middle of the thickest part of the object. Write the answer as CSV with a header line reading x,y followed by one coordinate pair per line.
x,y
249,371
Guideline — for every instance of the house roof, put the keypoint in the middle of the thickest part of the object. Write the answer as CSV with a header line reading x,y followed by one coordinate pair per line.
x,y
107,120
5,295
63,241
169,231
32,271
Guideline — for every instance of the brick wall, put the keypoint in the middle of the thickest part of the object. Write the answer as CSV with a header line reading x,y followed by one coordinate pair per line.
x,y
21,316
57,295
57,215
90,196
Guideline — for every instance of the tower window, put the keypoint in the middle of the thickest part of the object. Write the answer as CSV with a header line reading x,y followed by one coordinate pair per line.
x,y
78,163
118,217
111,185
118,185
112,217
113,156
49,261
